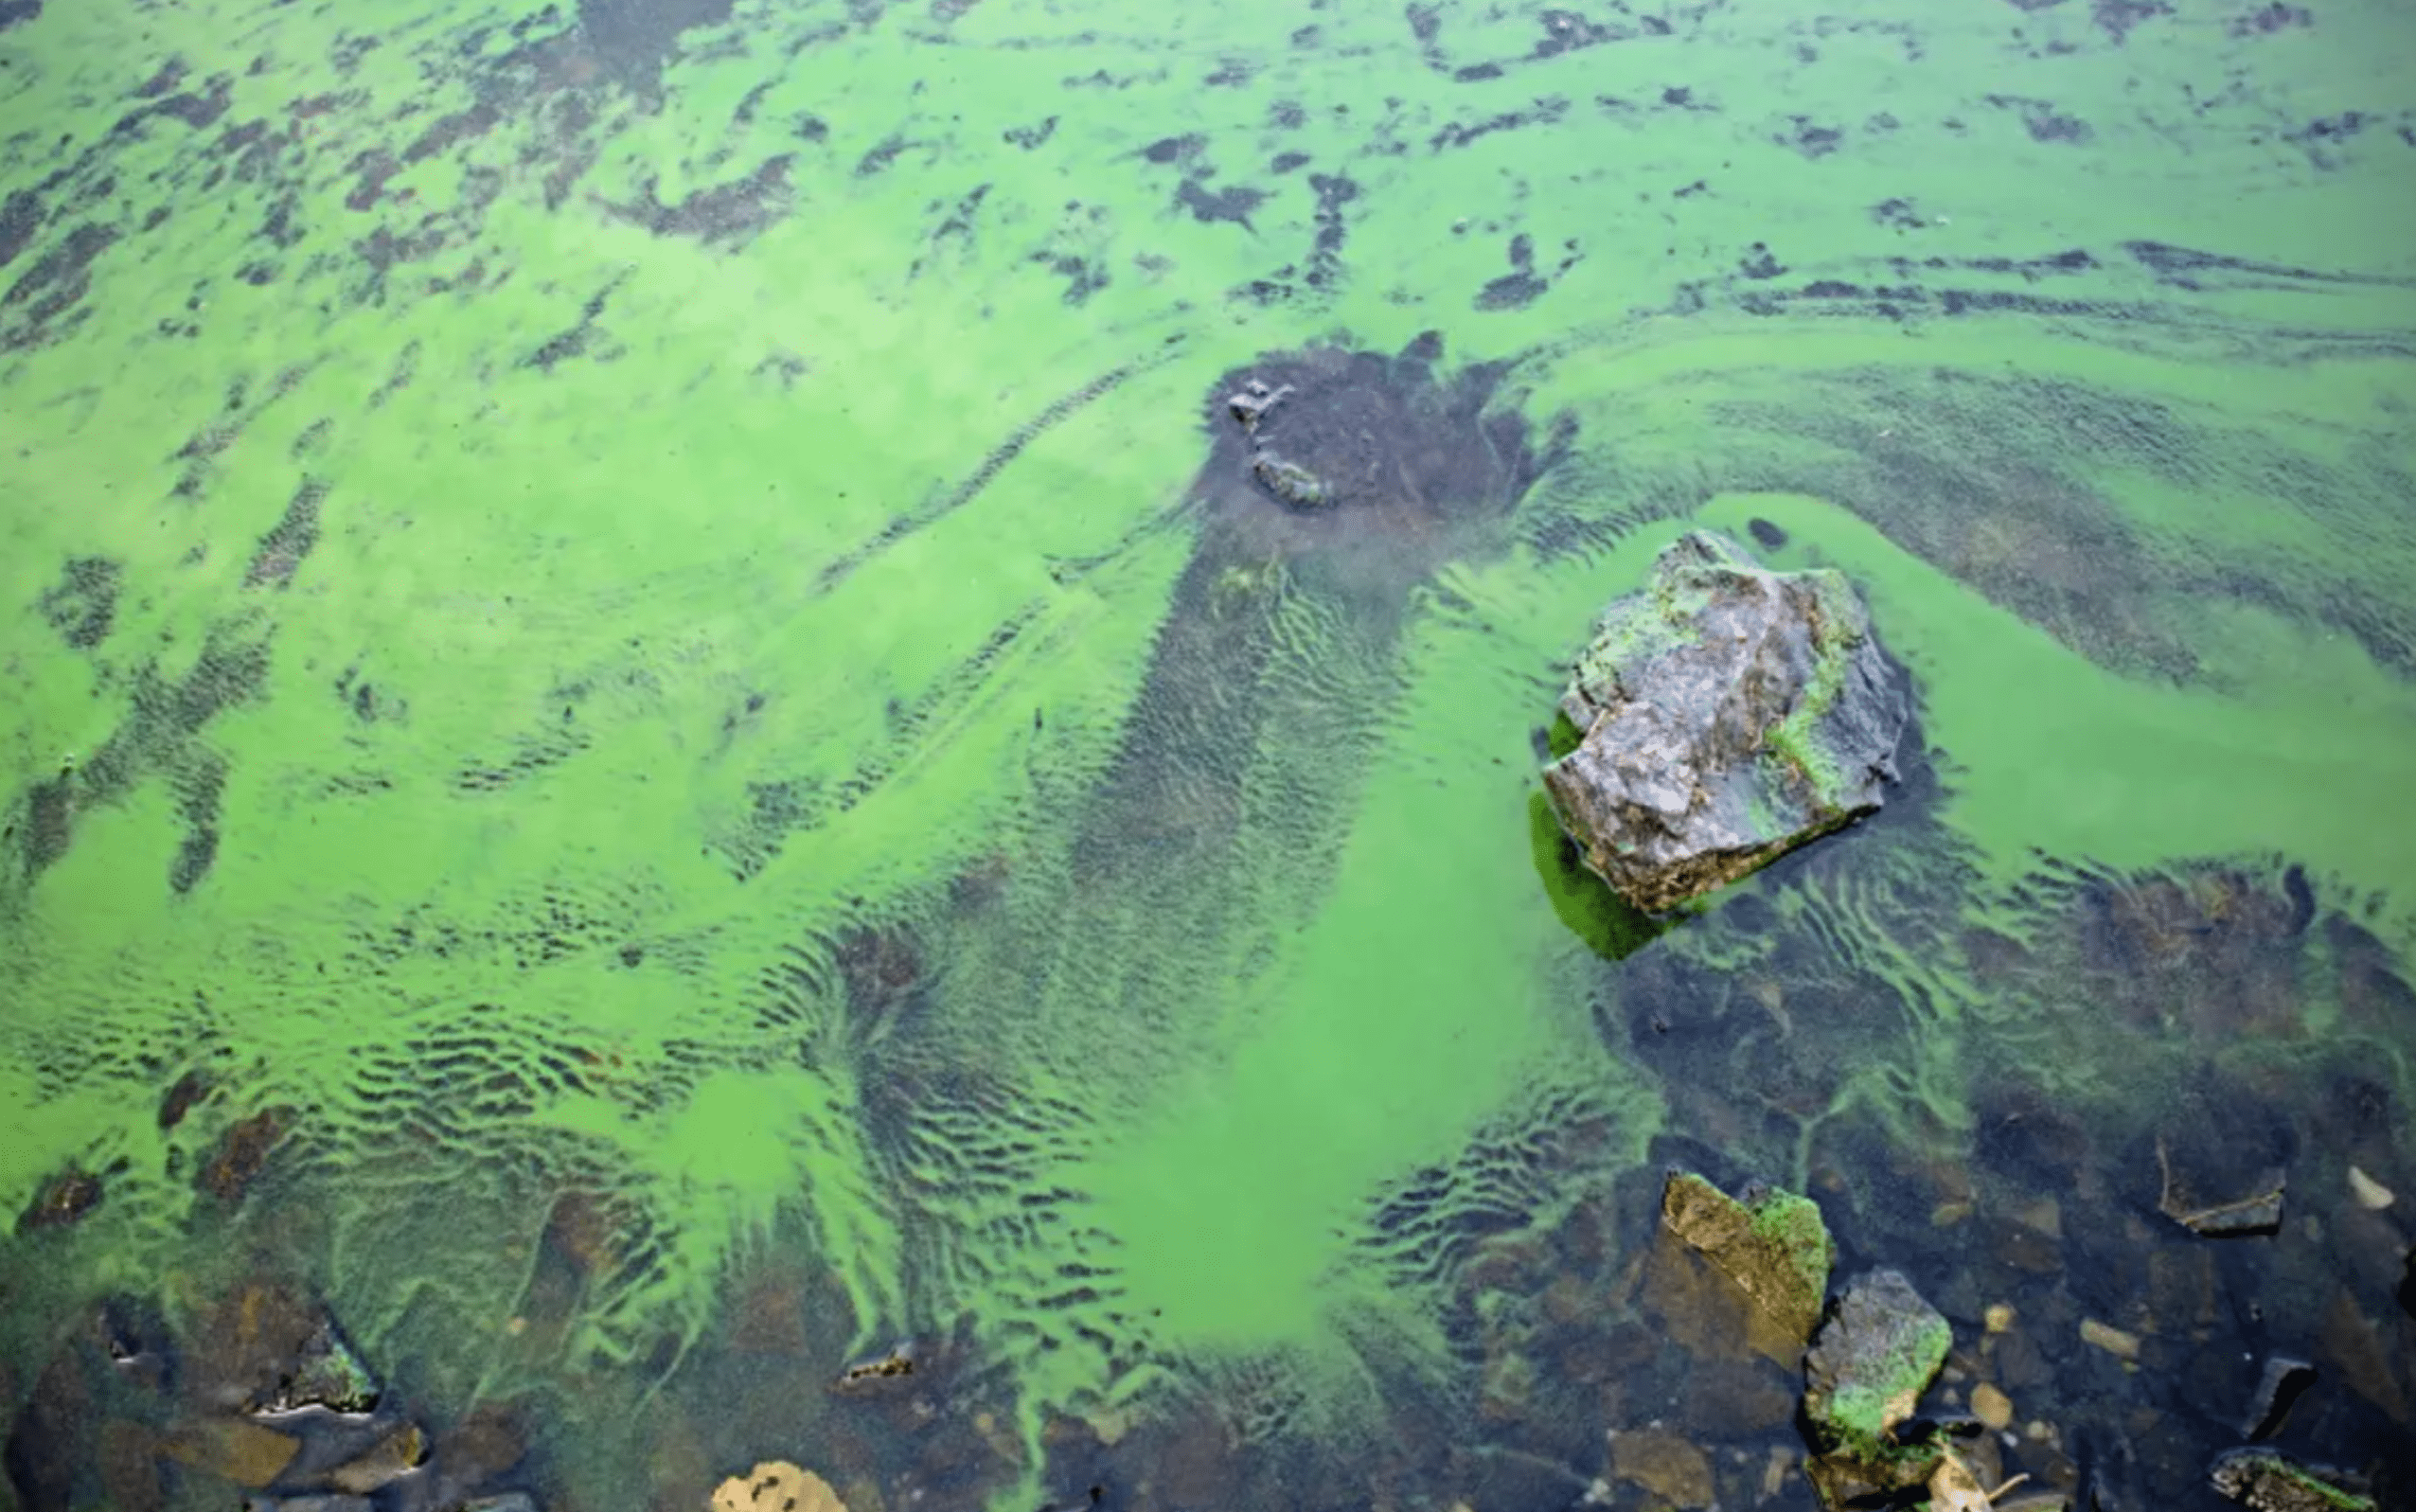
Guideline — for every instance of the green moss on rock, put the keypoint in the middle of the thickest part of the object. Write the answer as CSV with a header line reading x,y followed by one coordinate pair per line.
x,y
1872,1361
1773,1244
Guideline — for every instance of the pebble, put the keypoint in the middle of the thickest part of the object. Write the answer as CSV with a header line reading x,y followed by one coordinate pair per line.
x,y
2001,1318
1992,1407
2370,1194
2110,1339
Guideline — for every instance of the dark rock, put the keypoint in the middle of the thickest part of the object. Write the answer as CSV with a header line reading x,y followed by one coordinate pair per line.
x,y
389,1459
2265,1480
2283,1382
1874,1357
1729,714
2257,1214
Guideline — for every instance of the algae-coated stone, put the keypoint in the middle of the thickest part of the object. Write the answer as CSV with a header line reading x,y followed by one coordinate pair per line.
x,y
1871,1364
1728,714
2268,1482
1773,1244
325,1372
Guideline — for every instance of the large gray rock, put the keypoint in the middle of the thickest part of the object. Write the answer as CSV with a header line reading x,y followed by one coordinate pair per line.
x,y
1728,714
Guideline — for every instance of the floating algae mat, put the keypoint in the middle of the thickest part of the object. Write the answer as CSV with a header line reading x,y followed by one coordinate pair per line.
x,y
671,764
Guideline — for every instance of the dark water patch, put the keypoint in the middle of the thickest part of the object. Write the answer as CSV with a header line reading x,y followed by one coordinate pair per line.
x,y
1519,286
279,553
631,40
1033,137
158,735
2043,120
42,304
198,785
1334,192
82,604
877,159
2117,19
194,110
1760,262
731,213
589,338
1174,149
2189,268
14,13
1809,137
449,132
1235,202
1544,112
20,216
2264,21
2084,575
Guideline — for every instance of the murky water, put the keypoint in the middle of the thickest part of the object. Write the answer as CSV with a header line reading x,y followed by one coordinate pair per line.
x,y
663,748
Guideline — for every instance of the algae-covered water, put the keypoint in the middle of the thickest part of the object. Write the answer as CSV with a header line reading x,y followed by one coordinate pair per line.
x,y
652,739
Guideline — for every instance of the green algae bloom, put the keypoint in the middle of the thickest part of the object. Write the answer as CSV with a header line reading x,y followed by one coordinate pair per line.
x,y
635,612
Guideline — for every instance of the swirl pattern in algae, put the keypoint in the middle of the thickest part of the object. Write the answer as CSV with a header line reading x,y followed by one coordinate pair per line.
x,y
637,675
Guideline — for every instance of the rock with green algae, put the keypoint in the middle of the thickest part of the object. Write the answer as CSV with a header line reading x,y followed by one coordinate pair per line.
x,y
323,1372
2266,1481
1874,1358
1728,714
1773,1244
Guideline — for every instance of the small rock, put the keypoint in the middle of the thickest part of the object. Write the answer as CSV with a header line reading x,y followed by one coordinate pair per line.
x,y
1251,402
1772,1245
392,1457
1872,1361
2283,1382
2110,1339
1992,1407
2263,1480
1665,1465
1289,482
1729,714
2370,1194
777,1486
1999,1317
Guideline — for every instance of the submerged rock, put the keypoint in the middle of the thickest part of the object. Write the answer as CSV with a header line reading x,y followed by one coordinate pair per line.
x,y
1872,1363
2266,1481
323,1372
777,1486
1727,714
1772,1245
